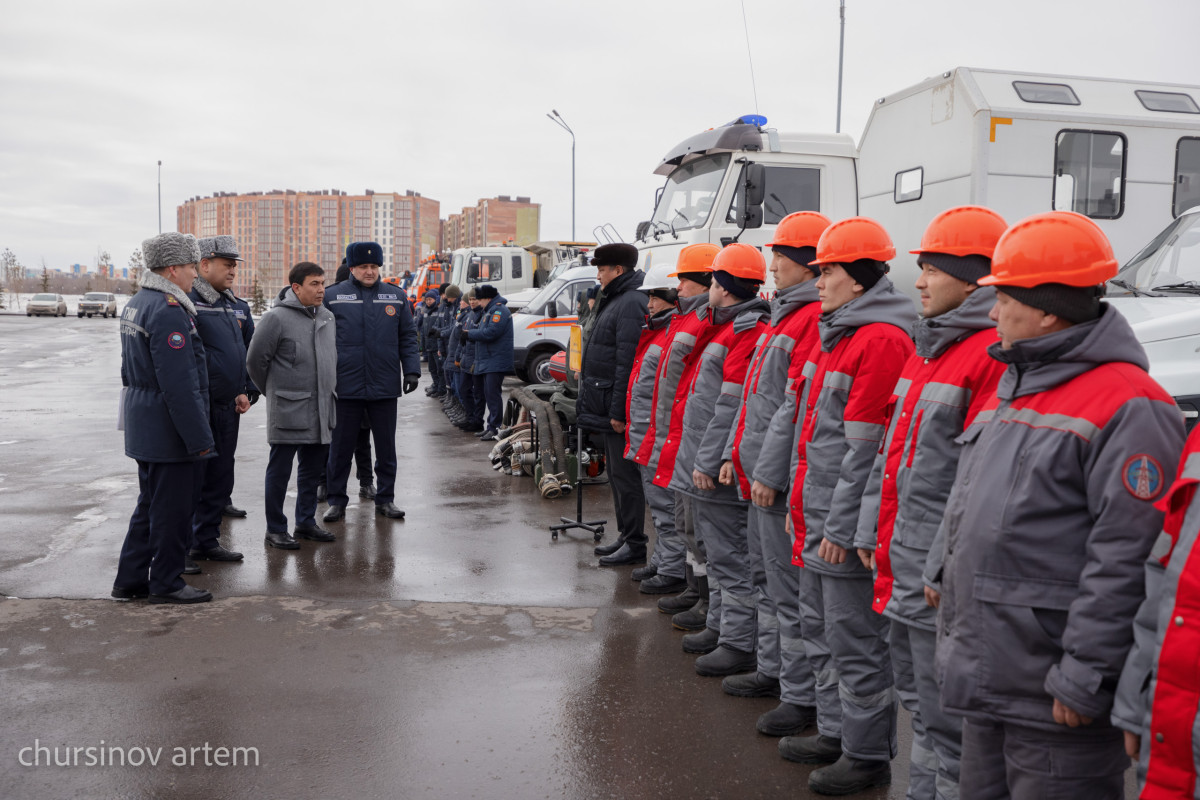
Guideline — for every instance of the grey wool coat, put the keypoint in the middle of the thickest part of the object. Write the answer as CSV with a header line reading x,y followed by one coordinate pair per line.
x,y
293,359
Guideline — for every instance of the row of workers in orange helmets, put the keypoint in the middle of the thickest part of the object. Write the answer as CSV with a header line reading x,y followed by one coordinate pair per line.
x,y
955,511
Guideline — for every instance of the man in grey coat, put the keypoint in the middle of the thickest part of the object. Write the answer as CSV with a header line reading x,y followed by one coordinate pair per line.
x,y
293,359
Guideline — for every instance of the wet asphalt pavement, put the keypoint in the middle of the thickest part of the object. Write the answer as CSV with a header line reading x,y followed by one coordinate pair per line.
x,y
457,654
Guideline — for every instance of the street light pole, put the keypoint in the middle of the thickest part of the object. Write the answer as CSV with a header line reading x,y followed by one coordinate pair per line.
x,y
841,51
160,197
557,119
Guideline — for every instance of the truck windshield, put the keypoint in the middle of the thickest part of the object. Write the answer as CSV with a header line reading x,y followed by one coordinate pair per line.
x,y
534,306
1169,265
688,197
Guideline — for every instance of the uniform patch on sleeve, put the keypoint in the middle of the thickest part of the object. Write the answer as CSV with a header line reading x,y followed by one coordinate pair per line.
x,y
171,301
496,317
389,310
1143,477
176,341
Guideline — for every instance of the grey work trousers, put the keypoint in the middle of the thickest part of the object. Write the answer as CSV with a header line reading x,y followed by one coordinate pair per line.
x,y
777,591
670,553
697,555
722,526
847,647
937,736
1002,760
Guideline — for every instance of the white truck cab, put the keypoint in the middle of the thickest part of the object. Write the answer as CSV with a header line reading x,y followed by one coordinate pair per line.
x,y
508,268
1158,291
543,326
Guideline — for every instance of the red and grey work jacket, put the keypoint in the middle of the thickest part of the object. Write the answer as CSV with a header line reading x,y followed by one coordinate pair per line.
x,y
639,399
941,390
1049,525
779,357
849,376
1159,693
689,333
713,395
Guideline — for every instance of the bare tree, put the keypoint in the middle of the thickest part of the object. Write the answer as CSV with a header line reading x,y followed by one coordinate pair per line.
x,y
136,265
45,276
8,270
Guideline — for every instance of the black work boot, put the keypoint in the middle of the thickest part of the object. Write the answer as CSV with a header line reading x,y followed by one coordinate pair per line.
x,y
817,749
850,775
642,573
725,660
754,684
786,720
696,617
684,600
703,642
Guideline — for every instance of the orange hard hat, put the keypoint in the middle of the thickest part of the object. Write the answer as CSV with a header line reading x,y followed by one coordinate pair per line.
x,y
852,239
800,229
1054,247
695,258
741,261
963,231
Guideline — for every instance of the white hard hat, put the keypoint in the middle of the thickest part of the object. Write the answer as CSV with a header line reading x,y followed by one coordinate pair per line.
x,y
657,279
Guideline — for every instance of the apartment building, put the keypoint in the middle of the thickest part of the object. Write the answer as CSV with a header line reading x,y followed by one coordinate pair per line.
x,y
492,221
280,228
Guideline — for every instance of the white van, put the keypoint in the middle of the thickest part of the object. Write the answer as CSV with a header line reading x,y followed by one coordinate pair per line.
x,y
1158,291
543,327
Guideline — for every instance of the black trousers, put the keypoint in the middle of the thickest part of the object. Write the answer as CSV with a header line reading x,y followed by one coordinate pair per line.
x,y
218,476
472,403
382,415
161,526
625,481
308,474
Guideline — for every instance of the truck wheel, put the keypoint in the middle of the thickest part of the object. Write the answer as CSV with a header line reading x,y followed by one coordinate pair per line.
x,y
81,315
538,367
522,375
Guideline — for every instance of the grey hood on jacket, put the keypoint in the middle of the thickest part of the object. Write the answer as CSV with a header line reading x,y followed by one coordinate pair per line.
x,y
934,334
293,359
880,303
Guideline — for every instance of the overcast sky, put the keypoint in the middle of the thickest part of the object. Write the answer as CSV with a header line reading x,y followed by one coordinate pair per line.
x,y
450,98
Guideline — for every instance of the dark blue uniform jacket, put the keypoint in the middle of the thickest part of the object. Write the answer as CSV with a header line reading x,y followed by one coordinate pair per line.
x,y
376,339
493,338
163,369
225,327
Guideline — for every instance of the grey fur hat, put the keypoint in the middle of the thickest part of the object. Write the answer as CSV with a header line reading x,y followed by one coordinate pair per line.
x,y
170,249
219,247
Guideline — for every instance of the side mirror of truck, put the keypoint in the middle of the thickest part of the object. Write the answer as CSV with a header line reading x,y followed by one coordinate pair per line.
x,y
552,310
643,228
473,272
751,192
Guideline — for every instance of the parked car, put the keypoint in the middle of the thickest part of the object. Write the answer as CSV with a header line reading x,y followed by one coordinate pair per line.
x,y
102,303
52,304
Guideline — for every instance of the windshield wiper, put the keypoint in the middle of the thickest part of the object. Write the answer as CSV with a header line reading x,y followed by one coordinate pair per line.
x,y
1130,288
1190,287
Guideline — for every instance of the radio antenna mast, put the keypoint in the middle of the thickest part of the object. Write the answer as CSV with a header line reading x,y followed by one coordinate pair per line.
x,y
750,56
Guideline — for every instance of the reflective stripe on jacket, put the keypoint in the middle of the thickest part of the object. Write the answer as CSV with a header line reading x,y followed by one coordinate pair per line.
x,y
941,390
864,345
639,399
1049,523
713,395
376,339
688,331
778,359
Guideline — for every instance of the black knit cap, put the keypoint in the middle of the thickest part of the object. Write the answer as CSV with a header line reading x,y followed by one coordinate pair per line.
x,y
740,288
617,254
702,278
966,268
1075,304
866,271
801,255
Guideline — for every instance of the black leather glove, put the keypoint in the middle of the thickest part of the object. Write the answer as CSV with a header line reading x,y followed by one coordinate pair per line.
x,y
462,335
410,383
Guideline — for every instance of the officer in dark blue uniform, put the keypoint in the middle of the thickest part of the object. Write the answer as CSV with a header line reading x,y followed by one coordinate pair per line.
x,y
493,339
225,327
377,361
165,418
